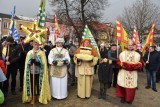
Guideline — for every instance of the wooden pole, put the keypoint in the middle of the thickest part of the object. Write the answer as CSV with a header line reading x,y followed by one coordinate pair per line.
x,y
150,44
117,49
21,44
148,56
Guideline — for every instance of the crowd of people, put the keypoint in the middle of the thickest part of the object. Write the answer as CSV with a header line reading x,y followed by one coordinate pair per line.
x,y
44,69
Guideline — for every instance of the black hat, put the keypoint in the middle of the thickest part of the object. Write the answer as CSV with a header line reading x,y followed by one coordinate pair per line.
x,y
10,39
113,45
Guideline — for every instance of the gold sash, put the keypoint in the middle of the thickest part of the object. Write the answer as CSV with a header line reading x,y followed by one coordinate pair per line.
x,y
56,71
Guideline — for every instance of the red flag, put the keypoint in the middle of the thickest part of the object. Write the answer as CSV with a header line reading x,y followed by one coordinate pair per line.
x,y
56,29
150,38
121,35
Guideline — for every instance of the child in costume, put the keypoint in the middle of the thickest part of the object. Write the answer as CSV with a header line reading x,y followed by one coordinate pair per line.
x,y
105,75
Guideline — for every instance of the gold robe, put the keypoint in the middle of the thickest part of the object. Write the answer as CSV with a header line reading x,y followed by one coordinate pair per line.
x,y
45,94
85,71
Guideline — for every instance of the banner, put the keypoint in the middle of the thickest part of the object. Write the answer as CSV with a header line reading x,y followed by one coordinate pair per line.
x,y
122,35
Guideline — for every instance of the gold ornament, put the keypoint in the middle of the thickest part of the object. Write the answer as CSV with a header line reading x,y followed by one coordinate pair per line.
x,y
33,33
84,57
85,54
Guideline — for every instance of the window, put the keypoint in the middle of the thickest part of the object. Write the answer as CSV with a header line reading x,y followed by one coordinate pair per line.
x,y
6,25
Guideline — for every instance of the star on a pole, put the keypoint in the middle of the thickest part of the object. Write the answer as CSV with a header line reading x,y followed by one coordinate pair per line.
x,y
33,33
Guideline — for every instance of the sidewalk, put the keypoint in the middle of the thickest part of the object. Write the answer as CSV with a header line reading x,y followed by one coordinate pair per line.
x,y
144,97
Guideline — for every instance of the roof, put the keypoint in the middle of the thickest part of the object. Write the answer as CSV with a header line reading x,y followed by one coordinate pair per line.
x,y
25,18
98,26
93,25
3,15
59,22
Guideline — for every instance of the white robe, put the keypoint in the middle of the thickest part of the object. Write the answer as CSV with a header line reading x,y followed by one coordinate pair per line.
x,y
58,85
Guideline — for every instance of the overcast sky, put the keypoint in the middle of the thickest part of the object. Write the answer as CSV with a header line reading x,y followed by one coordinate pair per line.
x,y
29,8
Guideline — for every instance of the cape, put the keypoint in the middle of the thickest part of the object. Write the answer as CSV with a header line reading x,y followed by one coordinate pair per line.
x,y
45,94
129,64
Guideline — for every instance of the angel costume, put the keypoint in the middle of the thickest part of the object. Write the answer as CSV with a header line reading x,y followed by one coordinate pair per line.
x,y
58,73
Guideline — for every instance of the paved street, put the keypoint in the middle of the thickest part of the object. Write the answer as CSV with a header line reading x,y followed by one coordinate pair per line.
x,y
144,98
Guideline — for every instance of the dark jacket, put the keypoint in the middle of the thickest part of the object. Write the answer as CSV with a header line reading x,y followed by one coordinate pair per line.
x,y
104,53
112,55
72,51
14,55
154,61
22,60
27,47
47,48
105,73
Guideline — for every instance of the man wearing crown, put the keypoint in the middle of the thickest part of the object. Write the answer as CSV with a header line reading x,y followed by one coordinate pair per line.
x,y
129,64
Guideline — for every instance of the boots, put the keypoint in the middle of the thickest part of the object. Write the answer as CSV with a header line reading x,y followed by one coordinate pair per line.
x,y
100,94
104,96
104,92
122,100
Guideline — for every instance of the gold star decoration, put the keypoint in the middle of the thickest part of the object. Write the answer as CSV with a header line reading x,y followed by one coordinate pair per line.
x,y
33,33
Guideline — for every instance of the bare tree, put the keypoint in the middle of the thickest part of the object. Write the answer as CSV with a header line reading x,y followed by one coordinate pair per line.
x,y
79,11
142,13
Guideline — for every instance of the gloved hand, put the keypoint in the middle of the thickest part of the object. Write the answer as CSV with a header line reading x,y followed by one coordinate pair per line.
x,y
37,63
54,62
90,61
79,60
33,61
65,61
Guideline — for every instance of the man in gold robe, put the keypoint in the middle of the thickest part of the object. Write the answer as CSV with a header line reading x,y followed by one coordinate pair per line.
x,y
36,58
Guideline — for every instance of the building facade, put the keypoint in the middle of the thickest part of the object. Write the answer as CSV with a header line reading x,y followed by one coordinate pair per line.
x,y
102,32
5,20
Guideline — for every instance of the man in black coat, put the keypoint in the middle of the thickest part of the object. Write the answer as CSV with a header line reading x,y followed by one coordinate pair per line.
x,y
152,60
12,59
